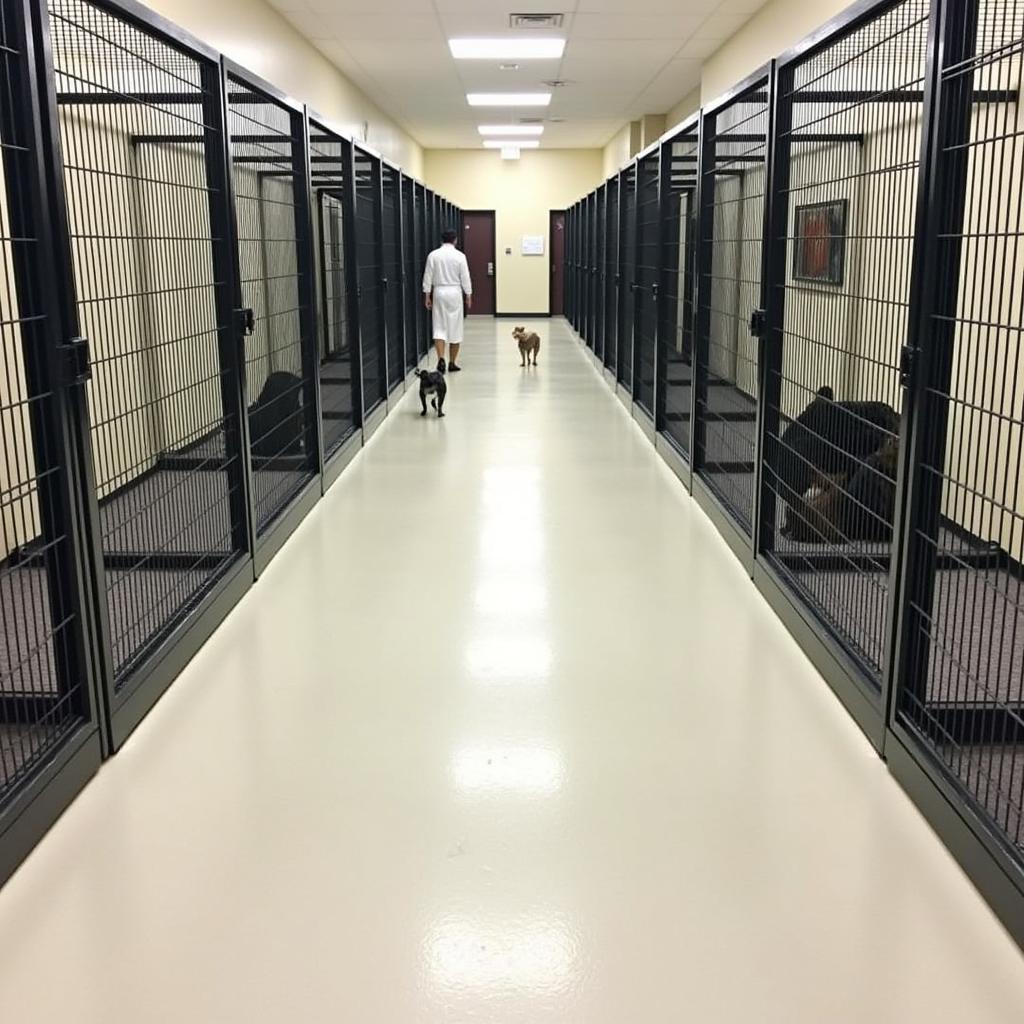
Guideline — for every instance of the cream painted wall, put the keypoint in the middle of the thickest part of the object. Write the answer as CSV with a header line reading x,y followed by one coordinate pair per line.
x,y
260,39
621,148
775,28
683,109
522,193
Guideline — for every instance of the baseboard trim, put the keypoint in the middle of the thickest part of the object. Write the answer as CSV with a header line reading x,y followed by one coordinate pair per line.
x,y
522,316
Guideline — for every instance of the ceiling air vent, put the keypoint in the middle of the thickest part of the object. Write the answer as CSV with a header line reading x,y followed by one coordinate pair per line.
x,y
535,20
531,120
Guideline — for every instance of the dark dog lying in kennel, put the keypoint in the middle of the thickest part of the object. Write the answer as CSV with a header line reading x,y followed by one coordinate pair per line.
x,y
275,419
837,468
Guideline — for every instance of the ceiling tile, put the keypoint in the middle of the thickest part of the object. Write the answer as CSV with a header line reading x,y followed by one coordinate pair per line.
x,y
627,26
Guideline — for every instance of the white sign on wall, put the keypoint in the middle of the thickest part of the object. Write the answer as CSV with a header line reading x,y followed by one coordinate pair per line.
x,y
533,245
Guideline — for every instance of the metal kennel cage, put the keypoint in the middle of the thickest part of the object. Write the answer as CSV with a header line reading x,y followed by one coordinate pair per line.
x,y
677,286
599,257
412,322
612,276
269,173
959,703
143,218
424,326
844,188
647,277
391,273
625,370
731,232
587,269
570,268
49,731
339,378
366,187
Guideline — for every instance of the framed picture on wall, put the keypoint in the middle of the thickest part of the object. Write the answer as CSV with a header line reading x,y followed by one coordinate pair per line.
x,y
819,242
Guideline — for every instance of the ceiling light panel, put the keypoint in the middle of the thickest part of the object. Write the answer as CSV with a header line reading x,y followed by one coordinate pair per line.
x,y
508,99
507,49
509,130
511,143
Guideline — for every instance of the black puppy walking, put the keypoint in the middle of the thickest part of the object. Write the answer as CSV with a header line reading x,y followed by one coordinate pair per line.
x,y
432,383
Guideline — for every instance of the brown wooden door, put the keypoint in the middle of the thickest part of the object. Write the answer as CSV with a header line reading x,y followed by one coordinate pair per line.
x,y
556,300
478,245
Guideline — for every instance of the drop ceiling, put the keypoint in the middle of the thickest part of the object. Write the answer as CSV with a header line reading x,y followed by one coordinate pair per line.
x,y
618,66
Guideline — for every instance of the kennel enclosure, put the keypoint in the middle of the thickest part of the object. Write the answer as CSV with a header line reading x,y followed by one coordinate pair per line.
x,y
817,308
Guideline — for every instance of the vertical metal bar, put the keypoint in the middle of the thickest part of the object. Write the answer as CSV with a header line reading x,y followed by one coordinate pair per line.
x,y
400,244
306,285
773,299
350,200
34,211
942,193
662,297
227,299
703,271
76,444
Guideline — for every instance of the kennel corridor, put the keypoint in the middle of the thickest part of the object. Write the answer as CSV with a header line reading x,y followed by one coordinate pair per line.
x,y
459,758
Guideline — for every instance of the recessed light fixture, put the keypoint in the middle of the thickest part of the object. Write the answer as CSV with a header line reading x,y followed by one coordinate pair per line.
x,y
508,67
507,48
511,129
508,99
511,143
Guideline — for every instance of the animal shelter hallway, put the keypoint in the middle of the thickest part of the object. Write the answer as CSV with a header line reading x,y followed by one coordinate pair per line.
x,y
504,734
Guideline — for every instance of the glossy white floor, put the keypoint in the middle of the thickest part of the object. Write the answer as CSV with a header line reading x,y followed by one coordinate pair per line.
x,y
504,735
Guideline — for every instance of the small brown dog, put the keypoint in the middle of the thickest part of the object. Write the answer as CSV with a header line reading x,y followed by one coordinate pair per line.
x,y
528,342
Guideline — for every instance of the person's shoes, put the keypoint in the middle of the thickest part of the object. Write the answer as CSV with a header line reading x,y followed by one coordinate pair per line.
x,y
440,365
455,369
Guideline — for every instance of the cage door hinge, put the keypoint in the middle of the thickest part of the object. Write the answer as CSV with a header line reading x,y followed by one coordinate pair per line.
x,y
75,362
759,323
245,321
908,363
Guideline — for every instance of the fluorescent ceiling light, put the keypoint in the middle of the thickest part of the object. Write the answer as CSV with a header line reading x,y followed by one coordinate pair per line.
x,y
511,143
508,99
508,48
509,130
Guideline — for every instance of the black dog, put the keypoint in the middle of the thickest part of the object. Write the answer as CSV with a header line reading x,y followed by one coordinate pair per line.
x,y
831,438
432,383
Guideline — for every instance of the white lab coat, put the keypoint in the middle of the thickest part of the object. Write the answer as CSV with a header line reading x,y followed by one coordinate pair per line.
x,y
446,279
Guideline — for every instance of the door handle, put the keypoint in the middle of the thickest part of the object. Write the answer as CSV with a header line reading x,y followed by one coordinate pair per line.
x,y
490,270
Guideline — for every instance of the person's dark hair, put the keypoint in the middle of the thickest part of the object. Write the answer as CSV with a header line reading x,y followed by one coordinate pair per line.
x,y
448,235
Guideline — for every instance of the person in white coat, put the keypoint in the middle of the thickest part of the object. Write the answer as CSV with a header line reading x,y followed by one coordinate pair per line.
x,y
445,281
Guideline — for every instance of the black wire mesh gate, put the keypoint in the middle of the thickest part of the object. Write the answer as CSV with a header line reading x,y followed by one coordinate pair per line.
x,y
366,187
960,697
675,330
647,277
730,237
330,173
411,267
624,367
271,205
612,276
848,138
48,712
140,180
391,274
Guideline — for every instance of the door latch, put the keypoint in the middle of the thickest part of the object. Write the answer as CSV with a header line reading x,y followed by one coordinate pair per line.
x,y
908,361
246,321
75,362
758,323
